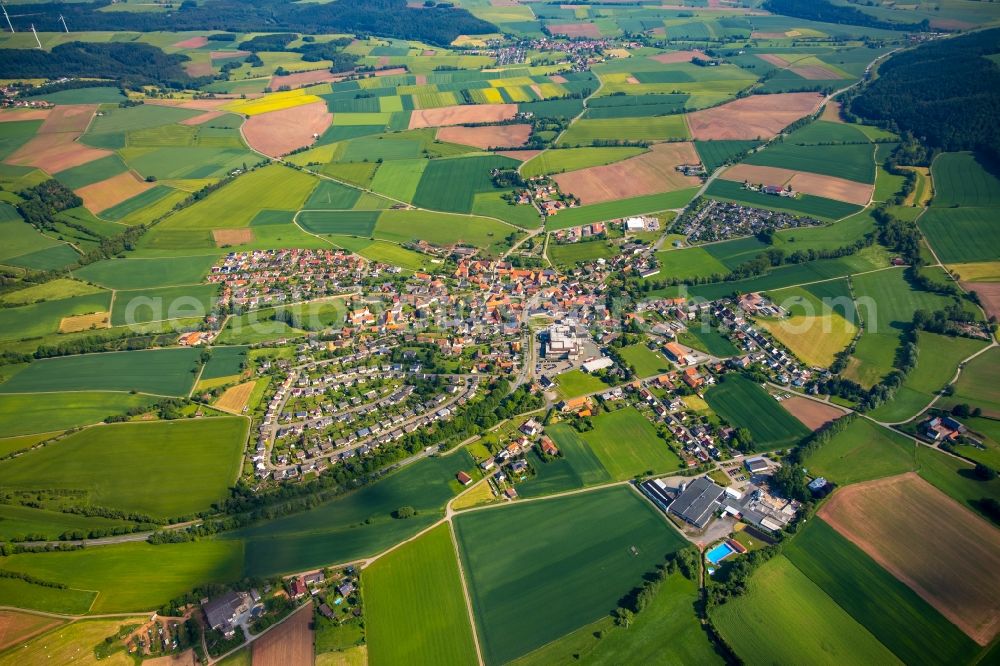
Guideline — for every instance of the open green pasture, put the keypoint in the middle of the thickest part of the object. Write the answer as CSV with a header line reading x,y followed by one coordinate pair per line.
x,y
571,159
26,413
645,361
159,371
574,383
586,131
851,161
708,340
627,445
405,226
451,184
744,403
126,577
963,234
189,463
977,384
16,133
666,631
897,616
147,273
42,318
785,615
355,525
714,154
938,357
610,210
224,362
963,179
415,606
163,303
577,466
91,172
567,255
536,571
339,222
861,452
331,195
694,262
20,522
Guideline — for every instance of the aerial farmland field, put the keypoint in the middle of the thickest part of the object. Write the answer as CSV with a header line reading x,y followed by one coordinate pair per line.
x,y
740,400
556,595
415,606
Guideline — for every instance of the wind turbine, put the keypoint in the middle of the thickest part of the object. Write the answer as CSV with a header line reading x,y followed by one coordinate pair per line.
x,y
35,33
7,16
63,22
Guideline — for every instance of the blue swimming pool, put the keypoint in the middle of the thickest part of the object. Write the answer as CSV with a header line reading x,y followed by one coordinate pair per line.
x,y
719,553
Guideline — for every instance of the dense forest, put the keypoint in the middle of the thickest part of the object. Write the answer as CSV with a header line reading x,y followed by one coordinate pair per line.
x,y
132,64
439,24
945,92
827,12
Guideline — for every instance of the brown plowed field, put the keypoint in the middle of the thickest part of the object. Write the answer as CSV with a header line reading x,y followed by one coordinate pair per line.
x,y
814,415
989,295
558,78
944,552
195,104
290,644
831,112
221,55
111,192
225,237
234,399
487,136
774,59
829,187
299,79
24,114
649,173
462,114
16,627
193,43
55,152
203,118
814,72
752,117
522,155
678,56
197,69
392,71
576,30
280,132
68,118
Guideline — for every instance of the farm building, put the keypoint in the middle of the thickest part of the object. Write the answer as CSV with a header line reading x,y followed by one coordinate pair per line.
x,y
598,364
222,613
757,465
697,502
463,478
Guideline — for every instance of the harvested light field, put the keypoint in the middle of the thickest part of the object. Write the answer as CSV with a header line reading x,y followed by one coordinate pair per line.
x,y
111,192
487,136
279,132
69,118
831,112
649,173
678,56
234,400
828,187
944,552
203,118
84,322
299,79
55,152
989,295
290,644
814,415
224,237
24,114
757,116
16,627
192,43
459,115
573,30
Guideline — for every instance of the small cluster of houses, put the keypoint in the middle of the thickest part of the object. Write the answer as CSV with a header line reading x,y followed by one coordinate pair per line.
x,y
773,190
712,220
543,193
583,232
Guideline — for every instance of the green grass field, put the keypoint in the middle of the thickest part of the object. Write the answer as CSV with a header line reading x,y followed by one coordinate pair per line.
x,y
960,235
585,132
346,222
784,615
414,605
571,159
645,361
960,179
159,371
610,210
886,304
451,184
57,289
24,413
273,187
14,592
91,172
803,204
714,154
956,478
861,452
938,357
577,467
694,262
20,522
666,631
708,340
627,445
164,469
163,303
851,161
977,384
537,572
567,255
913,629
742,402
38,319
358,524
126,577
404,226
575,383
225,361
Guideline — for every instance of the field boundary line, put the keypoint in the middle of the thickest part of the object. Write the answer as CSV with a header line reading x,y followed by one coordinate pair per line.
x,y
465,591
